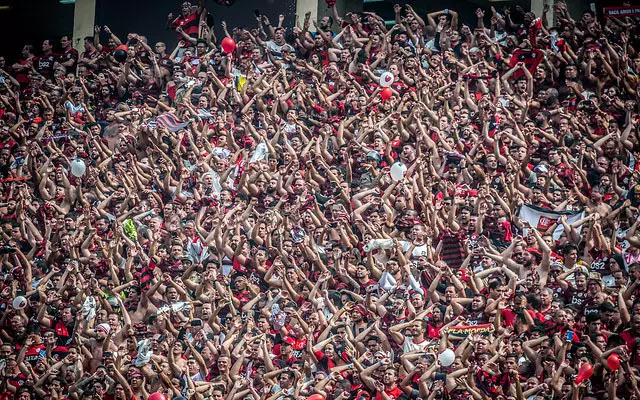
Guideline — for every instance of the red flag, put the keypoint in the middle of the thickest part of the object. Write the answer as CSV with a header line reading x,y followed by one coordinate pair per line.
x,y
534,28
530,58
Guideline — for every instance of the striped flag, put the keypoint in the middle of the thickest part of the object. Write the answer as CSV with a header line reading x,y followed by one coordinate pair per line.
x,y
171,122
168,120
146,274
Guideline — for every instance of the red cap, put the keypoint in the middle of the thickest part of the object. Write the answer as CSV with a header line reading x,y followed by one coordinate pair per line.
x,y
536,253
288,340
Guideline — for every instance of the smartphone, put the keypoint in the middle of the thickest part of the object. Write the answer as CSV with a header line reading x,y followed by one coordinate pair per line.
x,y
257,13
197,322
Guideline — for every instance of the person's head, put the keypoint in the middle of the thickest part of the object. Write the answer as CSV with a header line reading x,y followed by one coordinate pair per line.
x,y
172,294
201,47
478,302
546,348
449,293
445,18
66,42
102,225
580,280
325,23
511,362
102,331
47,46
570,253
218,393
88,43
279,36
417,300
635,323
186,8
390,376
160,48
5,351
24,393
587,17
546,295
286,379
27,51
67,314
373,344
362,272
286,347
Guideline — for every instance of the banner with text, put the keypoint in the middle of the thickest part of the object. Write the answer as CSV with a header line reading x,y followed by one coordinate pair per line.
x,y
620,12
461,332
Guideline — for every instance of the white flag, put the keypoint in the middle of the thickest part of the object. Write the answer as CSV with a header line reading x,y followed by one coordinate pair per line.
x,y
542,218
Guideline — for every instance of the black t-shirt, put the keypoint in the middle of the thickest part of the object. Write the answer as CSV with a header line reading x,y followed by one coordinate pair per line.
x,y
575,297
44,65
63,332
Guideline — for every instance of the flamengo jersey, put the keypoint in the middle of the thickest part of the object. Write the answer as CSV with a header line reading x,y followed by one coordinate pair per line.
x,y
44,65
189,24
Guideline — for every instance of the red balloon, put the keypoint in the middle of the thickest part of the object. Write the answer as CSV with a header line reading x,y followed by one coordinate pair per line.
x,y
228,45
315,397
613,361
157,396
386,93
585,372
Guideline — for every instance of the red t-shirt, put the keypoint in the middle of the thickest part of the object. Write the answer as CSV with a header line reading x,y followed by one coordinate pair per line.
x,y
631,341
508,316
393,393
71,54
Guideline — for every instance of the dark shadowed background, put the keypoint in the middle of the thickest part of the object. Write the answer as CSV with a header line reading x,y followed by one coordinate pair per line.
x,y
31,21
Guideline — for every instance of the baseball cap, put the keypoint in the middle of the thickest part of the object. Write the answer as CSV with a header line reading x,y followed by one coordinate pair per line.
x,y
535,252
288,340
374,155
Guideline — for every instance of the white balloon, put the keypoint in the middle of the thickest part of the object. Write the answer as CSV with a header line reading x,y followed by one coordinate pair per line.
x,y
397,171
19,303
447,357
386,79
78,167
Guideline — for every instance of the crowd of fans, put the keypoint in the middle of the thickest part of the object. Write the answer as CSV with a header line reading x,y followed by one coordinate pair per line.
x,y
213,224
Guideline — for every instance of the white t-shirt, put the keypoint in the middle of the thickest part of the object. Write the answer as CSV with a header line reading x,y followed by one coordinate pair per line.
x,y
417,251
408,345
276,50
